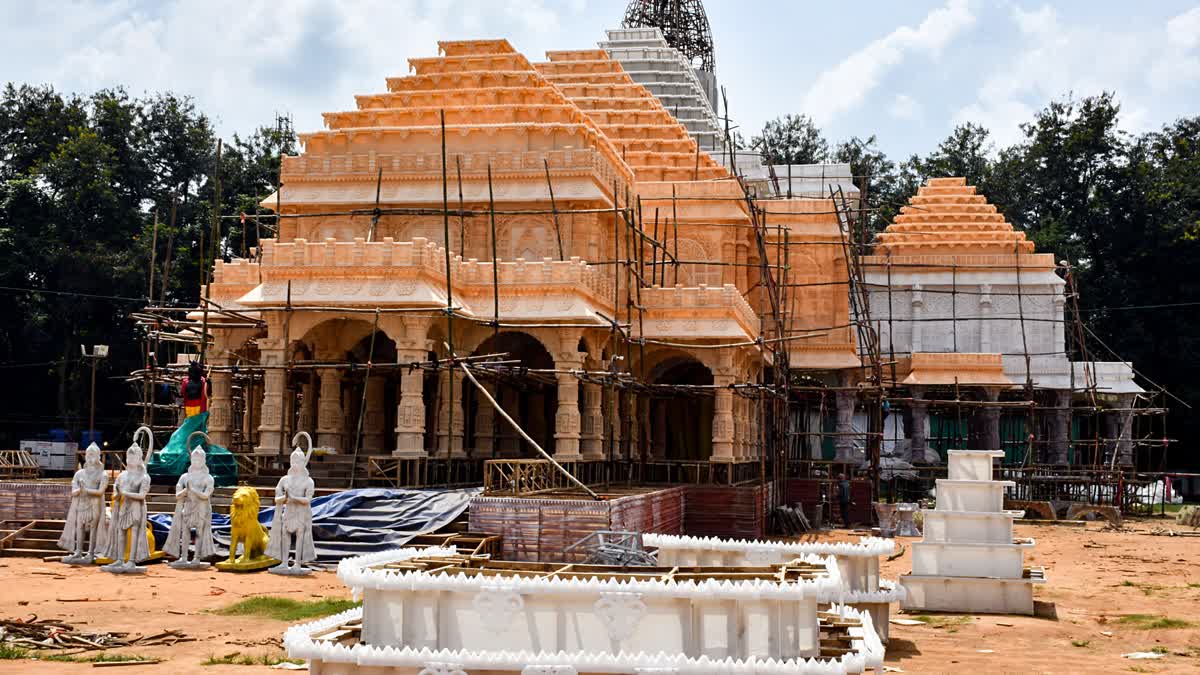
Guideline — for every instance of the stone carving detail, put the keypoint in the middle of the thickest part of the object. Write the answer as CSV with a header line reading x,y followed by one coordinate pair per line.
x,y
762,557
620,613
496,606
411,415
439,668
549,670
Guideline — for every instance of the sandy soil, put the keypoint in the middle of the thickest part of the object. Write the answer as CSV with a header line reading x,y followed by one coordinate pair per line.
x,y
1078,628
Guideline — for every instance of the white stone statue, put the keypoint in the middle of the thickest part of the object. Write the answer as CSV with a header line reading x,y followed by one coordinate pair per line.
x,y
291,529
193,511
128,521
85,517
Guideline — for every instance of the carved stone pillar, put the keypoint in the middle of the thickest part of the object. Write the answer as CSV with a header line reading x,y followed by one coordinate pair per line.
x,y
658,430
919,414
1060,429
510,442
485,420
722,428
566,420
410,411
985,323
591,442
728,273
844,442
1118,431
1060,329
308,407
918,313
989,436
374,421
743,254
612,422
331,419
270,430
220,405
450,426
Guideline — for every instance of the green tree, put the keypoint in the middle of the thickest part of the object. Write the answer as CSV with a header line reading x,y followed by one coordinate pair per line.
x,y
791,139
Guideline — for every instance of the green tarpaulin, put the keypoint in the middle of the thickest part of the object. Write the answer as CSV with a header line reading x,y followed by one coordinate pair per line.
x,y
174,457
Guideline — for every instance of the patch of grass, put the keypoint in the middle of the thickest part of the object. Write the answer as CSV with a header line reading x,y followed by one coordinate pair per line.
x,y
93,658
240,659
951,622
1128,583
1140,669
1152,621
1160,650
1080,643
1193,585
286,609
11,653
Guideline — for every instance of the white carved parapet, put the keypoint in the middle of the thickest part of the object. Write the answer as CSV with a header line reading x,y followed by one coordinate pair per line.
x,y
697,312
413,273
433,610
303,641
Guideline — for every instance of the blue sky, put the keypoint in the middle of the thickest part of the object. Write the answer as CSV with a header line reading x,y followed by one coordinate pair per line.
x,y
905,71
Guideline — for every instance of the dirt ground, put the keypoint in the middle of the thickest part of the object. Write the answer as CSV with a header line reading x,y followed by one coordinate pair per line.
x,y
1094,578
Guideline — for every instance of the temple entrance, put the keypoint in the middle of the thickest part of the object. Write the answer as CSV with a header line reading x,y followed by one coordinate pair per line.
x,y
681,421
377,392
529,398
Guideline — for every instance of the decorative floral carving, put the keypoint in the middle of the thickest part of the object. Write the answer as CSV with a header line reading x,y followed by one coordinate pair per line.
x,y
496,606
438,668
762,557
620,613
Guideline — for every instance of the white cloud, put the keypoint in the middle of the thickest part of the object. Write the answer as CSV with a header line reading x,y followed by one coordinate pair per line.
x,y
1179,62
846,85
243,60
905,107
1053,59
1037,22
1183,31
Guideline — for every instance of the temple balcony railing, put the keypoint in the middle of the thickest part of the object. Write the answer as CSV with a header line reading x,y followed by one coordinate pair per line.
x,y
385,273
702,312
369,164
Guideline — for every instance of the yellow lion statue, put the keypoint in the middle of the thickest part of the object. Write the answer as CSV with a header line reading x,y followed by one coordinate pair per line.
x,y
245,528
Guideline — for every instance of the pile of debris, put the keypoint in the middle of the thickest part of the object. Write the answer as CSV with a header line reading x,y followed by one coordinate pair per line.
x,y
35,633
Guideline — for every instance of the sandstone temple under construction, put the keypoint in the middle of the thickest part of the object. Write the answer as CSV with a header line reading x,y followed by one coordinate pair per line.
x,y
644,302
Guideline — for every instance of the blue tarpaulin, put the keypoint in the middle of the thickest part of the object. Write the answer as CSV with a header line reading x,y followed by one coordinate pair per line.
x,y
354,522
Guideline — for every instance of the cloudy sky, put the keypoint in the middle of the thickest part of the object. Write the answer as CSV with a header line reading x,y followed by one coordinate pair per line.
x,y
906,71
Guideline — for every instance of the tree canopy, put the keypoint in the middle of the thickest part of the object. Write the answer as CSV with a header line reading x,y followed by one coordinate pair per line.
x,y
82,182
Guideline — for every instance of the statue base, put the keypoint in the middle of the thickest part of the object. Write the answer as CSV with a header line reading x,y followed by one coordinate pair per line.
x,y
154,557
124,568
249,566
294,571
189,565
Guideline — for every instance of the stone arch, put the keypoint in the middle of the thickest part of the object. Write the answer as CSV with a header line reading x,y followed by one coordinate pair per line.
x,y
531,401
681,421
331,332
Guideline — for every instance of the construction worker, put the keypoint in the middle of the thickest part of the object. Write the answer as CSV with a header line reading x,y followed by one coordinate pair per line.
x,y
195,391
